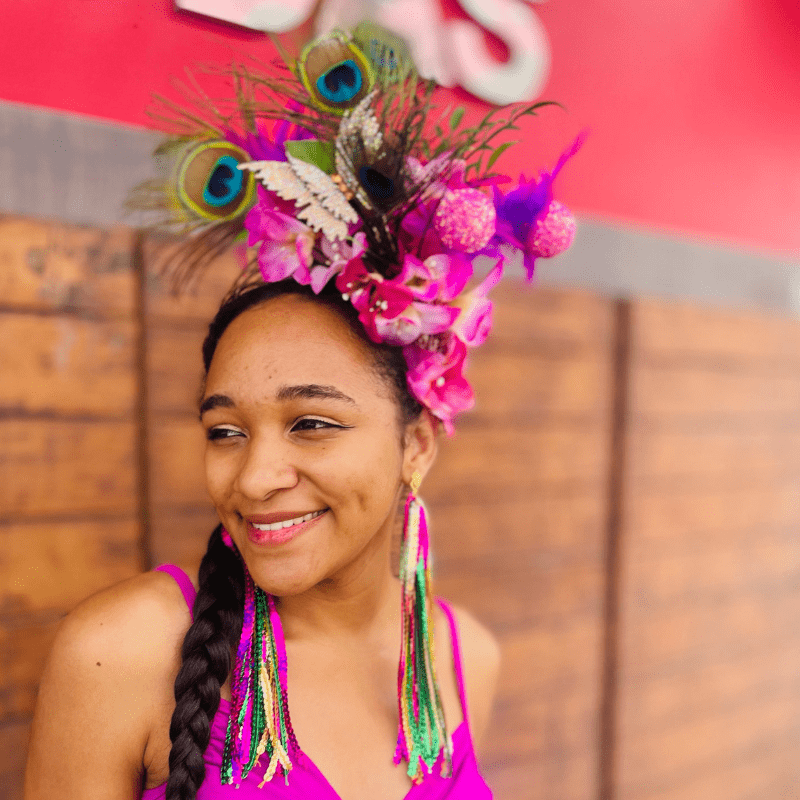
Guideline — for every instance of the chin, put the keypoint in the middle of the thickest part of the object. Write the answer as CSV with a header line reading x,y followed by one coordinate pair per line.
x,y
286,576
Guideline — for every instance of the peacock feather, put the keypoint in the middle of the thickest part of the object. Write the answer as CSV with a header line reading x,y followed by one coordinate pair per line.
x,y
342,132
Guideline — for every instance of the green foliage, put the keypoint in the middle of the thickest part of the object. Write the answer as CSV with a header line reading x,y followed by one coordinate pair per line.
x,y
320,154
498,152
455,119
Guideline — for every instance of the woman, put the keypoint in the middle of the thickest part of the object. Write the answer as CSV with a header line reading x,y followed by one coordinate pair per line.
x,y
327,381
303,415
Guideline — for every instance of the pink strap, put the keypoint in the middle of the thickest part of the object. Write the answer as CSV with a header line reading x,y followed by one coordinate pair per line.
x,y
182,579
462,693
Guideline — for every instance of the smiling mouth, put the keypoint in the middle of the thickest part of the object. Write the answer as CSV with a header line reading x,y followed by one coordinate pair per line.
x,y
276,526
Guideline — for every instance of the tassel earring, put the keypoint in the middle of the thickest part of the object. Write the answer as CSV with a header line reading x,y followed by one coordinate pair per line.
x,y
259,720
422,735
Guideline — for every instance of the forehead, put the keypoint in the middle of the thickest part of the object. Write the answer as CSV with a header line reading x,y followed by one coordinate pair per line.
x,y
289,339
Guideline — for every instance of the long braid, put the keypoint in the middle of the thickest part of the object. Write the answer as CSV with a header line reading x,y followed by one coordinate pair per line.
x,y
205,665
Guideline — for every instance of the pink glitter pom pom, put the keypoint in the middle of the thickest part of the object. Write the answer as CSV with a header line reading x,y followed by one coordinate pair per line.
x,y
465,220
553,233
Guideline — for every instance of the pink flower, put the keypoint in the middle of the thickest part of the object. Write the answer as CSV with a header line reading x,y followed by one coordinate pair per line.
x,y
381,315
355,283
337,254
474,321
439,277
269,201
435,376
415,320
286,244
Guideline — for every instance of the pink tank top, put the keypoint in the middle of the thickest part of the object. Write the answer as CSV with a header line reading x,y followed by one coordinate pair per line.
x,y
306,782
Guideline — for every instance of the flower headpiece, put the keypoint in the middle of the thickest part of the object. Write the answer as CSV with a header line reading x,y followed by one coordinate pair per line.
x,y
345,185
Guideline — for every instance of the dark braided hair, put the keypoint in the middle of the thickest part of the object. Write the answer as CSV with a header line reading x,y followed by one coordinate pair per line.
x,y
209,644
205,665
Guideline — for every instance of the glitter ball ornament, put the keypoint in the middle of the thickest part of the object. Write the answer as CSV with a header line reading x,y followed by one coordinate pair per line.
x,y
553,233
465,220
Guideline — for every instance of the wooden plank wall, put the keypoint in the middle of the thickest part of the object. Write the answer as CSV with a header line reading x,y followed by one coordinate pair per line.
x,y
180,515
101,477
69,474
518,506
709,644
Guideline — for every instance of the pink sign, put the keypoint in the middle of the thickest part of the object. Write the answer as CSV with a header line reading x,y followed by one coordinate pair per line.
x,y
451,51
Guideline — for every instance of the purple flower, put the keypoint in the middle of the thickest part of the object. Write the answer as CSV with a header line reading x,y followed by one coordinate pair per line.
x,y
519,210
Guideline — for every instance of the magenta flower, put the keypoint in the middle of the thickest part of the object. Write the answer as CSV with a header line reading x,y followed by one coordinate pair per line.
x,y
381,315
415,320
474,321
286,244
439,277
337,255
435,376
268,145
355,283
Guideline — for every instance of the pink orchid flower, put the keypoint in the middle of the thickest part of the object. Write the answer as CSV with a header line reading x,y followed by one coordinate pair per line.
x,y
439,277
337,255
474,321
286,244
435,376
355,283
415,320
381,316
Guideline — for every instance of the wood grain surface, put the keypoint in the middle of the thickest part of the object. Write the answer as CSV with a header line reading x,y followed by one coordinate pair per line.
x,y
709,635
688,690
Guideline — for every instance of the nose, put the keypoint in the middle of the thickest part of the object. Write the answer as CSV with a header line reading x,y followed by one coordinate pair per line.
x,y
266,467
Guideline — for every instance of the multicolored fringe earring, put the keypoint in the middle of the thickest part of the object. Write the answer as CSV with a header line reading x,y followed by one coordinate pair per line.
x,y
422,735
259,721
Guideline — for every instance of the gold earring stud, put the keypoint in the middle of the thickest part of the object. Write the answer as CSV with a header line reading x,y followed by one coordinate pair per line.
x,y
416,480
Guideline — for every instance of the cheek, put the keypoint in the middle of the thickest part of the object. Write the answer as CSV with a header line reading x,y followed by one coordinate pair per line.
x,y
375,484
220,468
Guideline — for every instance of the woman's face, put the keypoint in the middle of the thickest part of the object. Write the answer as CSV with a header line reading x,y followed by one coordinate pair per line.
x,y
298,423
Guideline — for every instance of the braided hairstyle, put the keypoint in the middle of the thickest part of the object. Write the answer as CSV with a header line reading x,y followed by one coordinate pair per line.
x,y
212,639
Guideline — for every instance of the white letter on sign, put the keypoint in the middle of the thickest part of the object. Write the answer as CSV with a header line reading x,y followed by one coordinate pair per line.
x,y
419,22
523,77
263,15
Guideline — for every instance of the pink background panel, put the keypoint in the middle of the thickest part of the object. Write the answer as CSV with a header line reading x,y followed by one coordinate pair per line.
x,y
693,107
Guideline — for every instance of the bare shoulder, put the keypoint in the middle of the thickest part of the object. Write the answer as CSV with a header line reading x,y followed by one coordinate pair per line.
x,y
480,656
134,625
112,657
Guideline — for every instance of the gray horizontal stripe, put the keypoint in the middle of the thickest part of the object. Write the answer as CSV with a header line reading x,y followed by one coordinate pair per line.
x,y
624,262
79,170
69,168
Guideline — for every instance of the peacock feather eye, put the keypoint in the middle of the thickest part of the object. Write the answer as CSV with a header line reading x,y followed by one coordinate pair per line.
x,y
379,184
210,183
335,73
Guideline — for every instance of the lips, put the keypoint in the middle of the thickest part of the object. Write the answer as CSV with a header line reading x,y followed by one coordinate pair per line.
x,y
279,520
280,527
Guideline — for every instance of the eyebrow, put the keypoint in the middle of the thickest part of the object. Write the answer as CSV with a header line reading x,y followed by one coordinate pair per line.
x,y
216,401
312,391
305,391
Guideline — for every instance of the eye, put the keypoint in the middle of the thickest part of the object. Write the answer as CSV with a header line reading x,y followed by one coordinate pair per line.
x,y
311,424
214,434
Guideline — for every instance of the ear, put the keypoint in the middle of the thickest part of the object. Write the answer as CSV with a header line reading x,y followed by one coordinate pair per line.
x,y
421,443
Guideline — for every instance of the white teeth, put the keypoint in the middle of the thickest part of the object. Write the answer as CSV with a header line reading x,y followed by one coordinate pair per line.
x,y
276,526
